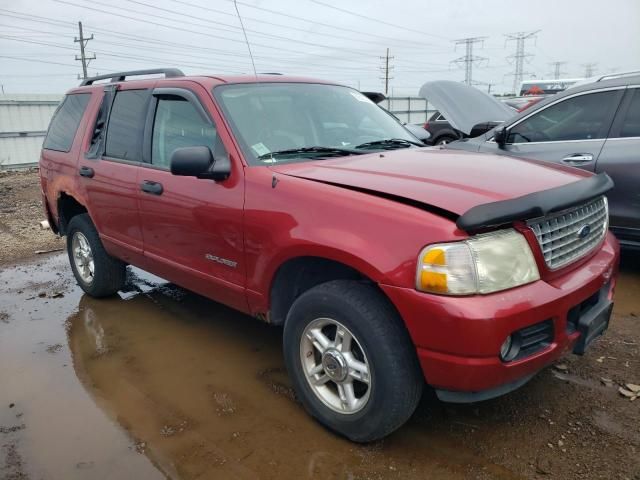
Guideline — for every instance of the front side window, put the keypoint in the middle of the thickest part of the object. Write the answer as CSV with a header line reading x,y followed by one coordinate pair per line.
x,y
584,117
631,124
278,122
125,131
65,122
178,124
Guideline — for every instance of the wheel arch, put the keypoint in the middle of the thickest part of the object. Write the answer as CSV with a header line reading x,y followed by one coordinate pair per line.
x,y
68,207
298,274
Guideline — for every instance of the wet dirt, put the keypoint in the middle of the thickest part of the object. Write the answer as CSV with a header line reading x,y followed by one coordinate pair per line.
x,y
21,212
159,382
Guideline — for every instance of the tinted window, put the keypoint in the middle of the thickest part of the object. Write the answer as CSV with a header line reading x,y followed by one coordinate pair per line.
x,y
631,125
579,118
126,125
178,124
65,121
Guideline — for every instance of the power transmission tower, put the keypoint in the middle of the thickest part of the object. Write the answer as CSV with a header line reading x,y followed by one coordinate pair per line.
x,y
83,57
520,55
557,72
386,68
589,69
468,59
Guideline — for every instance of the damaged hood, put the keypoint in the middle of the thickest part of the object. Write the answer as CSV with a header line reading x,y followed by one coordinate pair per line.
x,y
464,106
448,180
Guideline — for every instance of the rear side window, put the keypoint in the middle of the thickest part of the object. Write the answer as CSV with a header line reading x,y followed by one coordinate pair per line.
x,y
126,125
65,122
631,124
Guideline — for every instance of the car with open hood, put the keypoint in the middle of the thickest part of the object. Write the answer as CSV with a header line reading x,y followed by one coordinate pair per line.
x,y
594,126
300,202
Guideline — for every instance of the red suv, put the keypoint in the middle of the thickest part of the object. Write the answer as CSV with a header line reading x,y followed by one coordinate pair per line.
x,y
302,203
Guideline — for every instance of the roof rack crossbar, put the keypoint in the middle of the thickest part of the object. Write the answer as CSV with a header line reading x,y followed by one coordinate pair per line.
x,y
121,76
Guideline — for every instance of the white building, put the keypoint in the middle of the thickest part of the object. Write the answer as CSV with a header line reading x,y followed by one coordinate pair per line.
x,y
24,120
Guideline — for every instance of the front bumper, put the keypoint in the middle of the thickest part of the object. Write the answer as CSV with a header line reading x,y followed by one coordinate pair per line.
x,y
458,338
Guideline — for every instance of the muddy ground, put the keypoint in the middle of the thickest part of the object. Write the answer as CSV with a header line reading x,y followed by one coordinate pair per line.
x,y
161,383
20,215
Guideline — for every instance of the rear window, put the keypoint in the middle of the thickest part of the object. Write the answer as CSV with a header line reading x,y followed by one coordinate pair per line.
x,y
126,125
65,121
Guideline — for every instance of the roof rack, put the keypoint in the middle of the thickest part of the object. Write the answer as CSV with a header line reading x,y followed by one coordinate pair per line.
x,y
121,76
617,75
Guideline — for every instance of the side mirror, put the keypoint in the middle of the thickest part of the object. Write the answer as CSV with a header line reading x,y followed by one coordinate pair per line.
x,y
500,136
199,162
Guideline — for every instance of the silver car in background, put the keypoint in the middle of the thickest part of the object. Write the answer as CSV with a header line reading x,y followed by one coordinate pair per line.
x,y
594,126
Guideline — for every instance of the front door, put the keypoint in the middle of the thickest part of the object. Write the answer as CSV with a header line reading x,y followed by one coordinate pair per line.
x,y
192,228
570,132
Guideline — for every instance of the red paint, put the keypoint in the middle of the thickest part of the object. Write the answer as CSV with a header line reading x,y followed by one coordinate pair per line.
x,y
246,220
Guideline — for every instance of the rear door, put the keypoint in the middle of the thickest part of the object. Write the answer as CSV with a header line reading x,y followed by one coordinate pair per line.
x,y
192,227
108,171
571,131
620,159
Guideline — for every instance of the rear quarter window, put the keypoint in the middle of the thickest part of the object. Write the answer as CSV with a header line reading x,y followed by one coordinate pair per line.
x,y
65,122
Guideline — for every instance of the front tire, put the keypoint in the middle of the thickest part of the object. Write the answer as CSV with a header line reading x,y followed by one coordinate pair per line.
x,y
351,361
98,273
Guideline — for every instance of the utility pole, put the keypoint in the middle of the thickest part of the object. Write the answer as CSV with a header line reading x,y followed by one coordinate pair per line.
x,y
83,57
589,69
386,69
468,59
557,73
520,55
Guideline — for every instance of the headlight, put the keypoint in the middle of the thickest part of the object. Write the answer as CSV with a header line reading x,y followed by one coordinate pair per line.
x,y
483,264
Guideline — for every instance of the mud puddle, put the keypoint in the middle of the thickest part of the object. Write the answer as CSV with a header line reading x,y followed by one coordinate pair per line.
x,y
159,382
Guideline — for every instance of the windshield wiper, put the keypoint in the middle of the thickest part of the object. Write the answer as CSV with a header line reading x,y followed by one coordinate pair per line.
x,y
329,151
390,142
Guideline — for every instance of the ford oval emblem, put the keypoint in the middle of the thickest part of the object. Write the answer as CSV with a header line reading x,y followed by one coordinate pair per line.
x,y
584,231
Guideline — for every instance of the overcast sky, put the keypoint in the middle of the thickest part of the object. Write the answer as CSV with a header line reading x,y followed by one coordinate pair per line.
x,y
332,39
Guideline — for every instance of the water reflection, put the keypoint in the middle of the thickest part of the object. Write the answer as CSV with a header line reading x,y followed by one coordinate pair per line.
x,y
203,389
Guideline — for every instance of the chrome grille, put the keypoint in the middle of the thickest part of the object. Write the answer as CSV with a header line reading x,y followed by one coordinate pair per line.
x,y
569,235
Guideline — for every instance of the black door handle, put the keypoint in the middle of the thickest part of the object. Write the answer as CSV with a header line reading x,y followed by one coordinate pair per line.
x,y
153,188
86,172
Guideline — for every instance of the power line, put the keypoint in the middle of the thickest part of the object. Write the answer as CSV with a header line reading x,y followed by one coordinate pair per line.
x,y
355,14
146,40
520,55
316,23
83,44
468,59
174,28
187,47
557,73
306,31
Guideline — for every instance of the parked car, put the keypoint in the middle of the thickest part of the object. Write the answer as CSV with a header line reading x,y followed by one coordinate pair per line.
x,y
303,204
441,132
416,130
595,126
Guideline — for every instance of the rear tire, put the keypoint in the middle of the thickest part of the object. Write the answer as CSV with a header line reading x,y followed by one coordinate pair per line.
x,y
364,343
445,140
98,273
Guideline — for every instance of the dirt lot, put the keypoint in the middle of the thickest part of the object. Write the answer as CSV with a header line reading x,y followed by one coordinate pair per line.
x,y
159,382
20,216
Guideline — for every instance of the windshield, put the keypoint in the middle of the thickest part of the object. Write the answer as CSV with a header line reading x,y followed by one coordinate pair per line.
x,y
306,121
